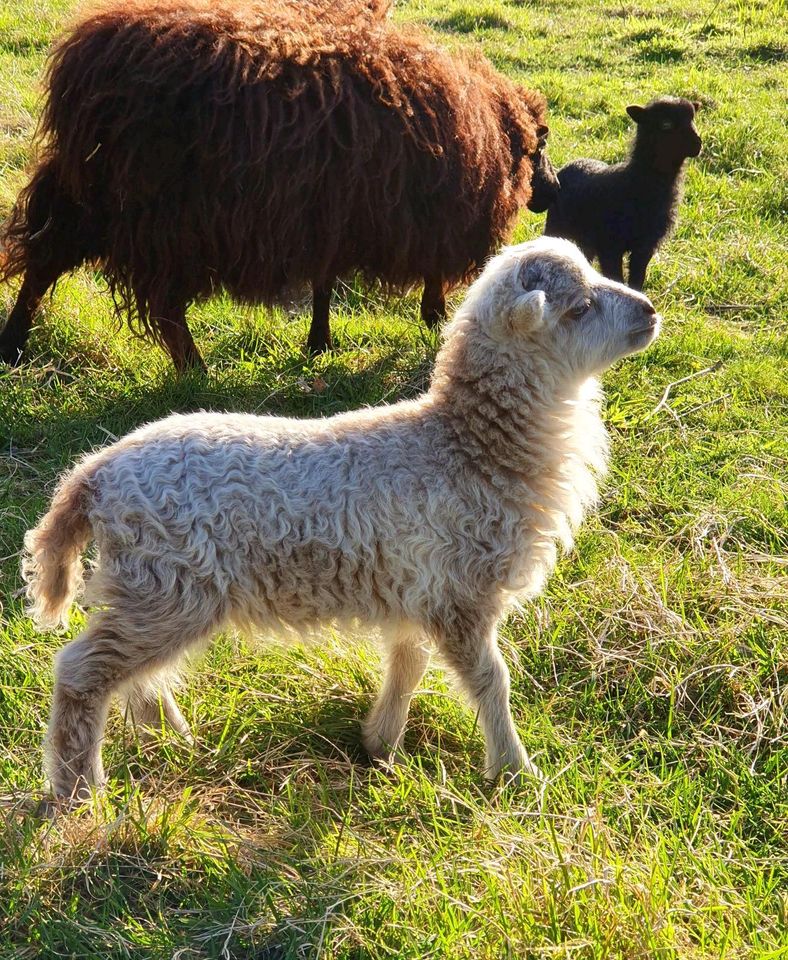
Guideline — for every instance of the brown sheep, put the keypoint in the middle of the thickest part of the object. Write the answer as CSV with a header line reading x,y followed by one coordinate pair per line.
x,y
190,146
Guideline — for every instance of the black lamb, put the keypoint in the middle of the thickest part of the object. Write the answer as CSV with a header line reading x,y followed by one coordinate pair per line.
x,y
628,207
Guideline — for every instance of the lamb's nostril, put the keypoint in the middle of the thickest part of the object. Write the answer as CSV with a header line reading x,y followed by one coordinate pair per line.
x,y
649,308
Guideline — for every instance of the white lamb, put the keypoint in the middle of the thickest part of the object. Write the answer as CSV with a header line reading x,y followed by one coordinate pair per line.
x,y
425,519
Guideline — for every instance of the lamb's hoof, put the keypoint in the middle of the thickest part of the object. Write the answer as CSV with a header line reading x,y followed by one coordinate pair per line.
x,y
147,733
433,318
526,777
381,754
316,349
520,773
52,806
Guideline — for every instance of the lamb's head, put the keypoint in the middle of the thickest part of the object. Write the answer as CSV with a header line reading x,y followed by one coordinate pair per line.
x,y
666,132
543,299
544,179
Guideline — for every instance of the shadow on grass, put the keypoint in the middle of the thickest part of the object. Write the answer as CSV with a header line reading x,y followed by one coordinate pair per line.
x,y
278,383
767,53
470,21
257,867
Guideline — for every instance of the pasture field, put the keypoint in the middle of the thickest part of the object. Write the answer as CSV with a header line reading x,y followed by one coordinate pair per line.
x,y
650,682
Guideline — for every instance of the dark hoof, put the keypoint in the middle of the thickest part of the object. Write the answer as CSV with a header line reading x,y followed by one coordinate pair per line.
x,y
10,354
315,349
433,318
193,366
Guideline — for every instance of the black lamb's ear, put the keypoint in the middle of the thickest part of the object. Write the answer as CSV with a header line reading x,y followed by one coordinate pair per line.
x,y
637,113
542,131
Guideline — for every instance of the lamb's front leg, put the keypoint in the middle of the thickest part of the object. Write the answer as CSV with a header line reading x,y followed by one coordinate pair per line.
x,y
639,260
474,655
611,264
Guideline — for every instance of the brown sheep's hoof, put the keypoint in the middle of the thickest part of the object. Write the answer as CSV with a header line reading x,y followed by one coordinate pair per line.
x,y
316,347
10,353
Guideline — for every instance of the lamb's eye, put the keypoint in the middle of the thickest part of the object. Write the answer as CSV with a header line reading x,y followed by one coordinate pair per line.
x,y
577,312
666,125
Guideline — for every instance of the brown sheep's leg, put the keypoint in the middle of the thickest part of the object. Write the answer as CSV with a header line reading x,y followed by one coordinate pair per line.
x,y
319,339
638,262
36,283
17,329
433,302
56,236
611,265
178,340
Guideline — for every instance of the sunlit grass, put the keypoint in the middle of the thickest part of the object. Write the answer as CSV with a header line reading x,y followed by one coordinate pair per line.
x,y
650,681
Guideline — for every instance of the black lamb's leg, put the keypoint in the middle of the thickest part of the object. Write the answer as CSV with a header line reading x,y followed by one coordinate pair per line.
x,y
638,262
433,302
611,265
319,339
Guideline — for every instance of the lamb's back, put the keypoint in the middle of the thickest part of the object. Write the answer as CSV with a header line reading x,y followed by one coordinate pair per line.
x,y
592,205
243,479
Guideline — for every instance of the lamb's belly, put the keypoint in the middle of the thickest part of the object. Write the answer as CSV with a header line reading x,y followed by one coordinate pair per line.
x,y
307,584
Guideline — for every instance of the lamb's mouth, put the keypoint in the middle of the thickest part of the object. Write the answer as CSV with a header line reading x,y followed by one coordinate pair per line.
x,y
652,328
649,329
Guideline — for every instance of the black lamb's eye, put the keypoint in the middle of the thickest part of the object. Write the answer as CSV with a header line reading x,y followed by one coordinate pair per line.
x,y
666,125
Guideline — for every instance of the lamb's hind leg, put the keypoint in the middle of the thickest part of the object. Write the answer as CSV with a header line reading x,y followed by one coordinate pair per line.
x,y
86,672
474,655
383,729
103,660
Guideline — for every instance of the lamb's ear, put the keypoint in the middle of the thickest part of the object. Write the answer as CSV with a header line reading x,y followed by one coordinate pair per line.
x,y
697,104
542,131
527,311
637,113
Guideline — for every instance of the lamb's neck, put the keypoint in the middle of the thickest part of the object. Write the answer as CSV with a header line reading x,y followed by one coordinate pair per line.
x,y
522,428
662,174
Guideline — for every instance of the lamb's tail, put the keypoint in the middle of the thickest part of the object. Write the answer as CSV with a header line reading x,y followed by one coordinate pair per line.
x,y
51,565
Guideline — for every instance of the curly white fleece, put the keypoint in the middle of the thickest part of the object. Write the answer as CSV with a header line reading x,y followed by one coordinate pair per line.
x,y
426,518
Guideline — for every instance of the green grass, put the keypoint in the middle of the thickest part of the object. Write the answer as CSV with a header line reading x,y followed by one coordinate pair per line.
x,y
650,680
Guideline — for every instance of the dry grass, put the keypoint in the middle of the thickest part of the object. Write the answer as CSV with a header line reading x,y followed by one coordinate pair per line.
x,y
650,681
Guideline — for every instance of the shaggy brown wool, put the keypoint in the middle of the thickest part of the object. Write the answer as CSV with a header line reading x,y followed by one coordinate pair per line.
x,y
258,147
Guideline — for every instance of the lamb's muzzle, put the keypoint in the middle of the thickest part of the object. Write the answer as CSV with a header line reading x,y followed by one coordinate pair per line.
x,y
424,520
